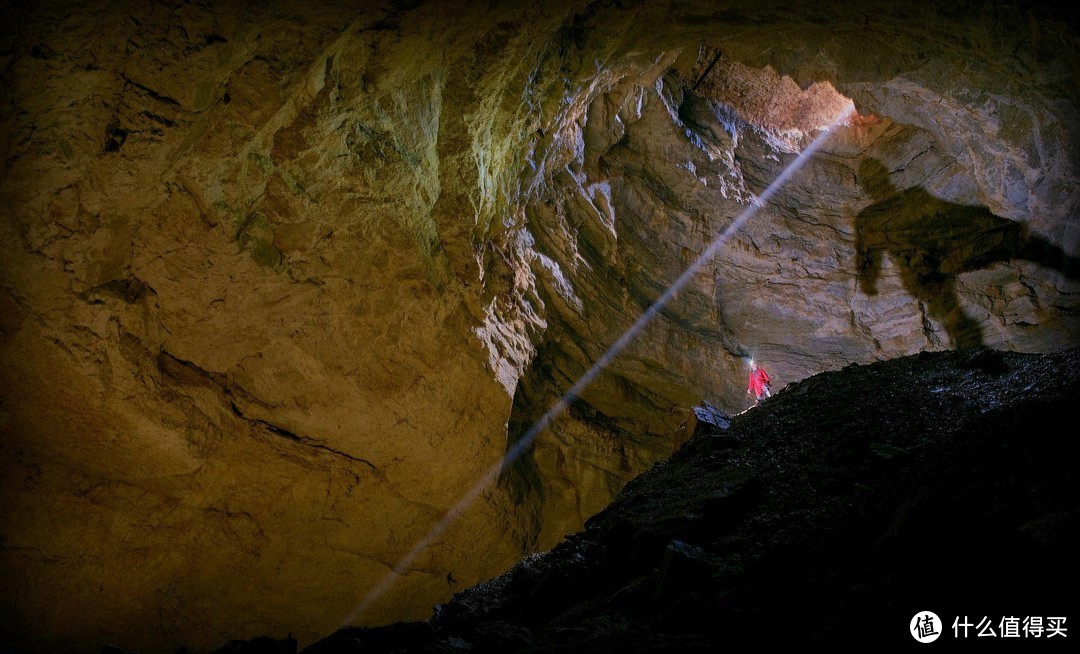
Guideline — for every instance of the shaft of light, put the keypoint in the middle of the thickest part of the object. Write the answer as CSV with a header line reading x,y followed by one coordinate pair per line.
x,y
526,440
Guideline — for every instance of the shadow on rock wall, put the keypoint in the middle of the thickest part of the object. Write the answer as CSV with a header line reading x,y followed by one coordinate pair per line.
x,y
932,242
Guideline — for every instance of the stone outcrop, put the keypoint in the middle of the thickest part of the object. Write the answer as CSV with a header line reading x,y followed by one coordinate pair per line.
x,y
824,516
283,282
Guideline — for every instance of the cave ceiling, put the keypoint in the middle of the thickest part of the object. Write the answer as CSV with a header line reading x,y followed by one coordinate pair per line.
x,y
282,282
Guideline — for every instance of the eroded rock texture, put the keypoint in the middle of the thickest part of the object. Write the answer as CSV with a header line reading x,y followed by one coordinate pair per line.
x,y
282,282
824,517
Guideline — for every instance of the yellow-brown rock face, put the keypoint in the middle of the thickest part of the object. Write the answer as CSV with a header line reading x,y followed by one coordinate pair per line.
x,y
281,283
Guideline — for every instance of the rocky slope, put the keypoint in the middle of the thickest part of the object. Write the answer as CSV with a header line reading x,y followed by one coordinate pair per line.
x,y
281,282
830,514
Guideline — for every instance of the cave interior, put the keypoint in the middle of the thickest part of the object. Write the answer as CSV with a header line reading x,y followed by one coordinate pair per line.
x,y
427,326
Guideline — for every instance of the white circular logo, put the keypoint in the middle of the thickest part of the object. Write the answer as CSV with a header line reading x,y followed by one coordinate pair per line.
x,y
925,627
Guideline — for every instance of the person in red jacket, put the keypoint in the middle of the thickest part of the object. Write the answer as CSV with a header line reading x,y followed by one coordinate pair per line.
x,y
759,383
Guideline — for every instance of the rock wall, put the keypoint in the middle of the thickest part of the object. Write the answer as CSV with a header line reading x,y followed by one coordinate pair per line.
x,y
795,525
282,283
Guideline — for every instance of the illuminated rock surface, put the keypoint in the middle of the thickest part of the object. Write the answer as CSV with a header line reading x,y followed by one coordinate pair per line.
x,y
281,282
824,516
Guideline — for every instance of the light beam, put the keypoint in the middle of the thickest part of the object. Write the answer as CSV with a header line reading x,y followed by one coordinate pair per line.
x,y
526,440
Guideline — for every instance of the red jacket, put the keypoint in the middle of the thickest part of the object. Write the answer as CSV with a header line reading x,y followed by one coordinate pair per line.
x,y
758,380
